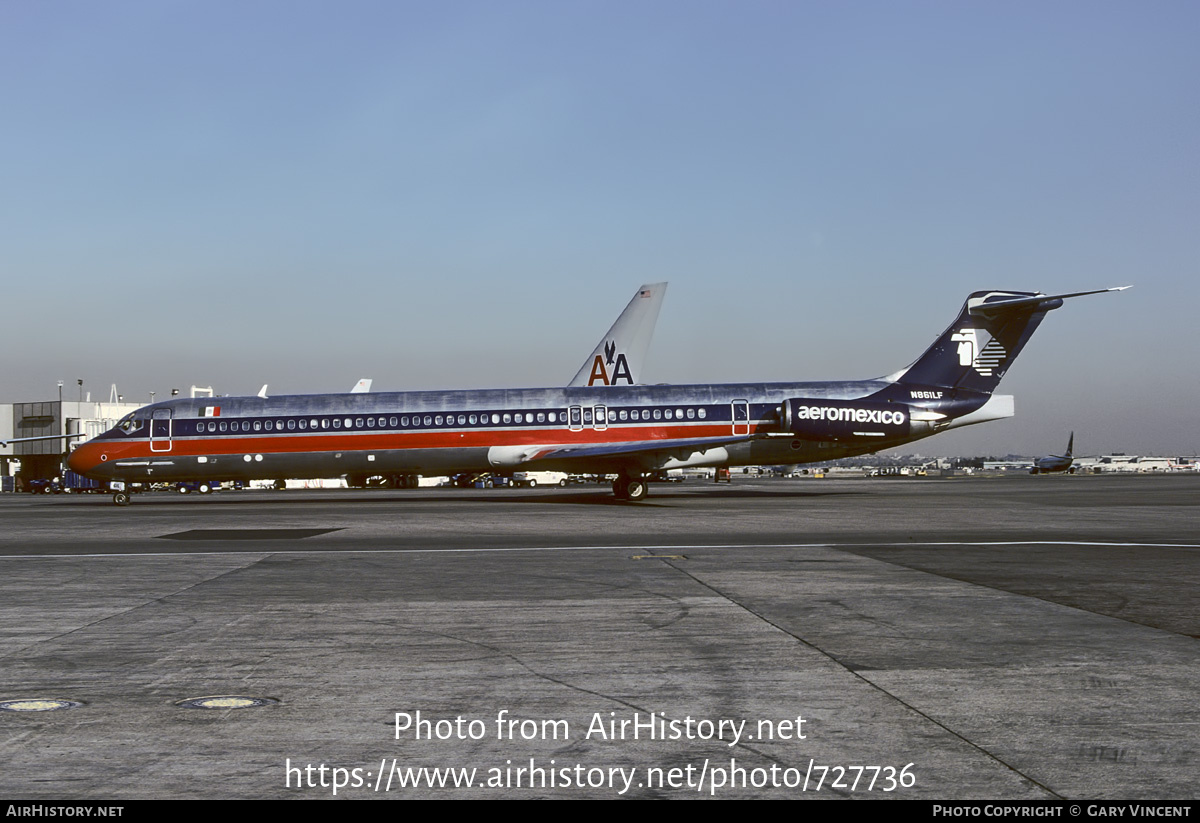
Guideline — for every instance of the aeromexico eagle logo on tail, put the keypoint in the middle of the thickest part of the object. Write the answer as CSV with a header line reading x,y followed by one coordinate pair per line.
x,y
984,359
611,368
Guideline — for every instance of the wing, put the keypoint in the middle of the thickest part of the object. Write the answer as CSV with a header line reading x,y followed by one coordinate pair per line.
x,y
640,455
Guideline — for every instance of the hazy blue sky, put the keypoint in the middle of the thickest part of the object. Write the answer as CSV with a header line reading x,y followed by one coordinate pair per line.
x,y
464,194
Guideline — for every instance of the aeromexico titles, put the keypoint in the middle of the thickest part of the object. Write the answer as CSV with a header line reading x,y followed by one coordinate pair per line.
x,y
626,430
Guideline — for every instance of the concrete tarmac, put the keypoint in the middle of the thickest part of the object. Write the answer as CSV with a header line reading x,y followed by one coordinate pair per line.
x,y
1020,638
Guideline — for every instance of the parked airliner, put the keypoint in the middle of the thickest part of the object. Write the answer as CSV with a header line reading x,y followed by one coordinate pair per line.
x,y
628,431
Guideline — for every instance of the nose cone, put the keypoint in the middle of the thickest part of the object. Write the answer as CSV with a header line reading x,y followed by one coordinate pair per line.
x,y
86,459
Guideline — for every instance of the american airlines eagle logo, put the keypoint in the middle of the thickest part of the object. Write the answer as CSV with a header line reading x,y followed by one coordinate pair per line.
x,y
984,360
610,368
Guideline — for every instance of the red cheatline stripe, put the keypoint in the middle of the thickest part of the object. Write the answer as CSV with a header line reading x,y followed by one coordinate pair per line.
x,y
360,441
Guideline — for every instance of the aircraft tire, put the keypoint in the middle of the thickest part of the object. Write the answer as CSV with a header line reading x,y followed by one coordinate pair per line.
x,y
121,498
636,489
633,489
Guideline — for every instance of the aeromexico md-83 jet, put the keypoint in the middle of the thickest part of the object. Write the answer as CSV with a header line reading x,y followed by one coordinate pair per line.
x,y
628,431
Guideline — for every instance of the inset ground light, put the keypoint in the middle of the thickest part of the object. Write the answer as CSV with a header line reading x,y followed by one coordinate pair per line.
x,y
38,704
227,701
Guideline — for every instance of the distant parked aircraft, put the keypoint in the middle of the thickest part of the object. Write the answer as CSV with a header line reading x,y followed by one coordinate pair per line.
x,y
1055,462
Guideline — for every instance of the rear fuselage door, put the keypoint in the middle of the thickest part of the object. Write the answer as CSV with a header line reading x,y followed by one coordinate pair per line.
x,y
741,417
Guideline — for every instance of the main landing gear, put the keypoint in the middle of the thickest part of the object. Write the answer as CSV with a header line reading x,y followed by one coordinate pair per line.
x,y
633,489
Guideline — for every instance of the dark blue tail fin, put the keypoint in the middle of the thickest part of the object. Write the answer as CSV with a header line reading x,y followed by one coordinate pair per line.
x,y
979,346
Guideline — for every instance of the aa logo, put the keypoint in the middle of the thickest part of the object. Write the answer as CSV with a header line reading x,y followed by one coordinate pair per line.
x,y
983,360
611,368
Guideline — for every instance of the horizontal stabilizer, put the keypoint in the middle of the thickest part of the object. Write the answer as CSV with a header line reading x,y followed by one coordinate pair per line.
x,y
994,308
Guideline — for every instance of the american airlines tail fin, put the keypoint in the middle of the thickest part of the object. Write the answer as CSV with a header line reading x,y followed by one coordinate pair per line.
x,y
988,334
618,359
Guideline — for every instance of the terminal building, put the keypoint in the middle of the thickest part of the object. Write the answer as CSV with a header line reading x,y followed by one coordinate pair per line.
x,y
68,422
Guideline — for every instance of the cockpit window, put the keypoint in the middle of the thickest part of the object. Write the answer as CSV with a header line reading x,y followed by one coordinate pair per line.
x,y
128,424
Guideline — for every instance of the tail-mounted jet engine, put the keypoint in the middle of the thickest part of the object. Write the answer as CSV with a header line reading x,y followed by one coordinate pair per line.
x,y
819,419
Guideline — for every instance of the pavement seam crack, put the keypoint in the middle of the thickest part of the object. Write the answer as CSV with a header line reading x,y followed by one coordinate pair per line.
x,y
130,609
867,681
